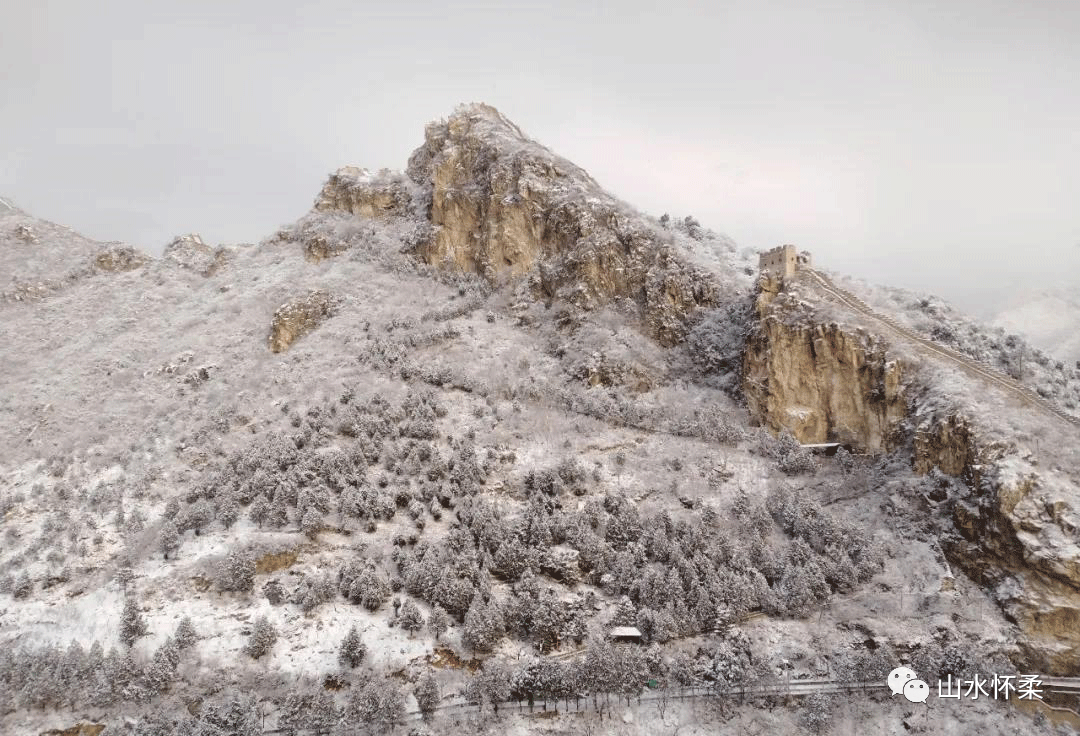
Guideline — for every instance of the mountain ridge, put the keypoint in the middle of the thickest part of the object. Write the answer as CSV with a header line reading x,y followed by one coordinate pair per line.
x,y
483,386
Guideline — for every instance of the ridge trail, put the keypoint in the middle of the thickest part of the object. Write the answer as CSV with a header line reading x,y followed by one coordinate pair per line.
x,y
972,367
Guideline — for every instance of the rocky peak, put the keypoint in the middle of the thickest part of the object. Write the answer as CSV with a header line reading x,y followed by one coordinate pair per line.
x,y
505,207
191,252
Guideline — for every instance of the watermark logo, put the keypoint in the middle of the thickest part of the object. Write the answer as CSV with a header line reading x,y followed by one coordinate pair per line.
x,y
916,691
900,677
905,681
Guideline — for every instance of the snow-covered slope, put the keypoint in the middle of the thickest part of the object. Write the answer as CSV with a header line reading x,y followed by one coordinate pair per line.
x,y
480,468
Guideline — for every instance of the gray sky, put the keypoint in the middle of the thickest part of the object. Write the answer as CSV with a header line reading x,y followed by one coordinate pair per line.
x,y
931,145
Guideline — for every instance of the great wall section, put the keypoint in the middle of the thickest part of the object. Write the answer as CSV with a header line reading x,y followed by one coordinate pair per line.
x,y
966,363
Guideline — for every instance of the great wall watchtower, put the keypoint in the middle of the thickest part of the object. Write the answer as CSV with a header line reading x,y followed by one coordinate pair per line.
x,y
783,261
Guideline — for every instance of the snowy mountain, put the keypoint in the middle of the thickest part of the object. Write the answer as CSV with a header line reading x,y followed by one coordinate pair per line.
x,y
409,461
1048,320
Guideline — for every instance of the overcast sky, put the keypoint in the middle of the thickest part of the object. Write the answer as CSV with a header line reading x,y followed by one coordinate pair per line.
x,y
931,145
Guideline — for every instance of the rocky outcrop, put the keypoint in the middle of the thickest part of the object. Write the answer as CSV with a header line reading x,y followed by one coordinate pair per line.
x,y
947,444
819,381
356,190
119,258
1014,530
190,252
1018,534
297,317
505,207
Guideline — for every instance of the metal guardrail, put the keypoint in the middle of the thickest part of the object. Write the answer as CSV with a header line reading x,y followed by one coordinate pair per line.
x,y
584,703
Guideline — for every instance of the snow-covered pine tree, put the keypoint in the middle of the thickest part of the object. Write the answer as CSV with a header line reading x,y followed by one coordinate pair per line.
x,y
353,650
483,624
411,618
259,511
124,576
438,621
274,591
132,624
427,694
237,572
312,522
228,511
168,538
162,670
197,516
263,636
24,586
322,714
625,613
185,636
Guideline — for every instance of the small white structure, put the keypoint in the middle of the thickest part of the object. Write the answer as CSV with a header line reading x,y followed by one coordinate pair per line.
x,y
625,634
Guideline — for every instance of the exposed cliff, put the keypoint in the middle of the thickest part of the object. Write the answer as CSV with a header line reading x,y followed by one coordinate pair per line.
x,y
297,317
504,207
819,381
1018,534
1014,528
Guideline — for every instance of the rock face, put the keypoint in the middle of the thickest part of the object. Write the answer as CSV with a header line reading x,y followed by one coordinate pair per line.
x,y
356,190
504,207
819,382
190,252
297,317
1019,534
119,258
1015,531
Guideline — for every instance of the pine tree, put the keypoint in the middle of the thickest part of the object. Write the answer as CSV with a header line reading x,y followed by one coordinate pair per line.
x,y
492,683
169,538
278,514
353,650
259,511
228,511
549,621
71,674
292,714
23,587
411,619
312,522
263,636
185,636
197,516
237,572
625,613
322,714
162,670
102,692
483,625
427,694
438,621
124,576
132,624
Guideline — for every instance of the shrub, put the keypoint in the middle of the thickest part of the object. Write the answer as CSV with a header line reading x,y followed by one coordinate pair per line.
x,y
263,636
274,592
237,572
